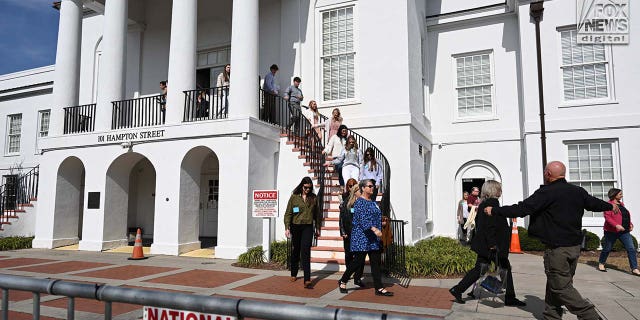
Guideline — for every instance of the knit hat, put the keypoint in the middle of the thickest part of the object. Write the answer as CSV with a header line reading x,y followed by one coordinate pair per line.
x,y
613,192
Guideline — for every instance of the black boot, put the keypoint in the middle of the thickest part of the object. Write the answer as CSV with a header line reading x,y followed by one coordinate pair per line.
x,y
457,295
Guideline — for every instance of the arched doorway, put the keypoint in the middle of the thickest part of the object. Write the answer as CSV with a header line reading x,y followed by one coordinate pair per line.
x,y
129,199
199,190
472,174
69,200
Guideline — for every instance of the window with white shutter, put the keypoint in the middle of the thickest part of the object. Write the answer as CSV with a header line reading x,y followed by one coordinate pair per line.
x,y
584,69
338,54
43,123
474,86
592,166
14,133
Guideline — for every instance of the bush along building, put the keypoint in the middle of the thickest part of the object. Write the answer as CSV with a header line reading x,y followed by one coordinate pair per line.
x,y
447,93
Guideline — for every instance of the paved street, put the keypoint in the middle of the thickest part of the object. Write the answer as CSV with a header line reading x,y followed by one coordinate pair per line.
x,y
614,293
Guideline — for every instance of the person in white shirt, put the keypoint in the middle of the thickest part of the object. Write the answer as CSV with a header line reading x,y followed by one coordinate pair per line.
x,y
334,148
463,213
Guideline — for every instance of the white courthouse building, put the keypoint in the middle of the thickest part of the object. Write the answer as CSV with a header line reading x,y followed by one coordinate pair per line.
x,y
448,91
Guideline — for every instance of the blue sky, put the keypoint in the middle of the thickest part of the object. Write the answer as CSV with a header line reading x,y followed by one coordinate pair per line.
x,y
28,34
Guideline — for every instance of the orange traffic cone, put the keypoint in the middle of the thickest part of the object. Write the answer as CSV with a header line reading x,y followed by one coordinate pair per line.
x,y
137,253
515,239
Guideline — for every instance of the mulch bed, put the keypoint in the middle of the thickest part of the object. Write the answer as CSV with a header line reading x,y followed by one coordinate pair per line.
x,y
265,266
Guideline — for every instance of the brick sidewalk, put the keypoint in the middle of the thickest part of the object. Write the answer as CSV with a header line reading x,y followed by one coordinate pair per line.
x,y
204,277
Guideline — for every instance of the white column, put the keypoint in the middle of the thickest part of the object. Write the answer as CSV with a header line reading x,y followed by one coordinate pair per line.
x,y
243,98
67,69
182,56
111,78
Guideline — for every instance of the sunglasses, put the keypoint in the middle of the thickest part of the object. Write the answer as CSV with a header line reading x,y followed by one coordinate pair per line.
x,y
306,188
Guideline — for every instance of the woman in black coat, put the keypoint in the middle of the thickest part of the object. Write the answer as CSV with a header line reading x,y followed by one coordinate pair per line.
x,y
492,237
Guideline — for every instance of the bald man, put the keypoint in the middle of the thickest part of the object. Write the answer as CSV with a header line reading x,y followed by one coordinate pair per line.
x,y
556,211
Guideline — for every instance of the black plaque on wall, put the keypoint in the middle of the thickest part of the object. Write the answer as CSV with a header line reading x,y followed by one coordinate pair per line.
x,y
94,200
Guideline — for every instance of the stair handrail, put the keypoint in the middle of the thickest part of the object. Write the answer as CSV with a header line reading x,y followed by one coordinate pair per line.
x,y
385,188
276,110
26,189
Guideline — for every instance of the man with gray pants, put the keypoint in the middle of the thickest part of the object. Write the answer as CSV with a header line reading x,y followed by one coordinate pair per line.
x,y
556,211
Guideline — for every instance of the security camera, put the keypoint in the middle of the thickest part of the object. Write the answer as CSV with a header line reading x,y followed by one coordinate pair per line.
x,y
126,145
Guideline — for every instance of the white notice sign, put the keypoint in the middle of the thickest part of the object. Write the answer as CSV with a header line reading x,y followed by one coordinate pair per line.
x,y
265,203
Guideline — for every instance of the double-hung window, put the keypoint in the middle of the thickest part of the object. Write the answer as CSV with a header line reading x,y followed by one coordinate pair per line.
x,y
14,126
584,69
474,86
338,54
592,166
43,123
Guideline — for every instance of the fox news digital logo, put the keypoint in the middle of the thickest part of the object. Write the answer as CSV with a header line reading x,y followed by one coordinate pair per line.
x,y
603,21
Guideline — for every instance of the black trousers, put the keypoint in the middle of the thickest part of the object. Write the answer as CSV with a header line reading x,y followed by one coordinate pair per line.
x,y
349,257
474,274
358,263
301,239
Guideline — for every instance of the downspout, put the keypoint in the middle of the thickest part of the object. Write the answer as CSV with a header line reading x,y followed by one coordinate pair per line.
x,y
535,11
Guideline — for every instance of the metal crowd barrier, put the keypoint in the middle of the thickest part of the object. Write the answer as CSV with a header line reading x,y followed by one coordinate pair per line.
x,y
239,308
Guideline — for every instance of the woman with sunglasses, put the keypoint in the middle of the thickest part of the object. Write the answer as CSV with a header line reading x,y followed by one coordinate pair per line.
x,y
371,170
365,239
299,218
351,193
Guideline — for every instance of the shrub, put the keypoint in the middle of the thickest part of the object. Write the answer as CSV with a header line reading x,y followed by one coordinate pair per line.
x,y
617,246
15,243
592,242
254,257
439,256
528,243
279,252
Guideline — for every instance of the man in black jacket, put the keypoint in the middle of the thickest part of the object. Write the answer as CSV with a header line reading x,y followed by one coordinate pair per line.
x,y
556,211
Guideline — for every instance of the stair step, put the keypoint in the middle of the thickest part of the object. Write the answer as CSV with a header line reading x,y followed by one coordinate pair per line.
x,y
331,210
327,260
16,210
5,222
330,228
329,238
13,216
25,205
335,249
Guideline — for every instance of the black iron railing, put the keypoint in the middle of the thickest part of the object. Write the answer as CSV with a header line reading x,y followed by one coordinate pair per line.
x,y
393,257
138,112
80,118
206,104
16,192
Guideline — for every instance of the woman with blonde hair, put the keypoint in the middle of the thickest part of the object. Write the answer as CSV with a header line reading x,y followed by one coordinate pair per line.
x,y
491,242
350,158
313,116
332,125
351,193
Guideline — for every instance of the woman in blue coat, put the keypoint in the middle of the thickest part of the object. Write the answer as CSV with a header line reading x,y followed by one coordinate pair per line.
x,y
365,238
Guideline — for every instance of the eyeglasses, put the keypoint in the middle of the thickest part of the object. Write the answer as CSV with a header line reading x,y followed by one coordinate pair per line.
x,y
368,154
306,188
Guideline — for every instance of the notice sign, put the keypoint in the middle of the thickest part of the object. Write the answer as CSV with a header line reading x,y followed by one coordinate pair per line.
x,y
153,313
603,21
265,203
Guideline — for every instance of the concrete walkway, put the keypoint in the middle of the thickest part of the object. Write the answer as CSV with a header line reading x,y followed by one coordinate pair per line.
x,y
614,293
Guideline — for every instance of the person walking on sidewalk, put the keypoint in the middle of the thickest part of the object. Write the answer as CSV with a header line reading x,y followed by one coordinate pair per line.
x,y
618,226
555,211
491,243
365,239
351,193
299,218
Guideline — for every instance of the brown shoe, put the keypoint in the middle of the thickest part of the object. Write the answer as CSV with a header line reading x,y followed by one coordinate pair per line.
x,y
293,279
308,285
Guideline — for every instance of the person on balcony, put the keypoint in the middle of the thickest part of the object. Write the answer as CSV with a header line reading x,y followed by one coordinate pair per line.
x,y
365,239
222,88
349,196
294,95
202,105
270,88
350,158
299,218
371,170
162,100
334,148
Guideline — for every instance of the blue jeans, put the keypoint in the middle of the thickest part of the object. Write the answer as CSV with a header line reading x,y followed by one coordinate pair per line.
x,y
625,237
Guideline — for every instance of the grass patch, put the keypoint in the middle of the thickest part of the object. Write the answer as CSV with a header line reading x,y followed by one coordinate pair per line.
x,y
15,243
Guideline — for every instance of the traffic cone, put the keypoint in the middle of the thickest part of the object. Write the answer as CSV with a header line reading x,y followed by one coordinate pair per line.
x,y
515,239
137,253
